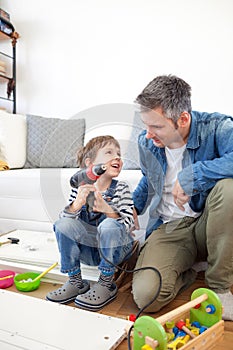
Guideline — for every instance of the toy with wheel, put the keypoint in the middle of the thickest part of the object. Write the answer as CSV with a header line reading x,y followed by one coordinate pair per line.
x,y
146,327
209,311
204,308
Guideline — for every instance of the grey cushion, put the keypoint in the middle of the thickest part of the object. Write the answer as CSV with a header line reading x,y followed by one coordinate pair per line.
x,y
131,157
53,142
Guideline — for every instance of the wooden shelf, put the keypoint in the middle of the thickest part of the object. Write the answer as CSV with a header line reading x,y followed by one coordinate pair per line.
x,y
4,36
9,25
5,79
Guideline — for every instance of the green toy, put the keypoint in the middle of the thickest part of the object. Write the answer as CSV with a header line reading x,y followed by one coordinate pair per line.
x,y
200,313
207,313
148,326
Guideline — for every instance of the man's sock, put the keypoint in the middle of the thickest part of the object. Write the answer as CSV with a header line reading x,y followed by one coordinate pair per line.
x,y
106,280
227,303
76,279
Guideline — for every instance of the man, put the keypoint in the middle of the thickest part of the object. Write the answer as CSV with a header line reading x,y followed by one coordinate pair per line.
x,y
186,160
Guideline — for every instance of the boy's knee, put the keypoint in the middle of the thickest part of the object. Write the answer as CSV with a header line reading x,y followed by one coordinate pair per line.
x,y
63,225
111,227
107,224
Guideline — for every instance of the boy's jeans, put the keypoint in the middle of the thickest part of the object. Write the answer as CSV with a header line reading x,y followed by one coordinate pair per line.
x,y
80,242
174,247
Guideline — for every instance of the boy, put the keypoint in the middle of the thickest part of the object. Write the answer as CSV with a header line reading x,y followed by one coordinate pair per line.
x,y
101,237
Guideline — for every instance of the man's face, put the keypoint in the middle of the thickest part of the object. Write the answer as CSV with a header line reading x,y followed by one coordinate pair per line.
x,y
161,130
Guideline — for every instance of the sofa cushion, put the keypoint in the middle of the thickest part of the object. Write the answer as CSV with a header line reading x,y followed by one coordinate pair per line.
x,y
13,130
53,142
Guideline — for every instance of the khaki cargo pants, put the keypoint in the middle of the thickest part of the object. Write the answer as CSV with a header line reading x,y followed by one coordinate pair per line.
x,y
174,247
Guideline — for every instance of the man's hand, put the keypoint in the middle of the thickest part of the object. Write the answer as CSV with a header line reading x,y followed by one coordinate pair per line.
x,y
136,222
180,197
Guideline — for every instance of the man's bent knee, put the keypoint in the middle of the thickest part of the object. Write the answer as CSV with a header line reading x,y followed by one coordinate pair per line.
x,y
224,188
145,289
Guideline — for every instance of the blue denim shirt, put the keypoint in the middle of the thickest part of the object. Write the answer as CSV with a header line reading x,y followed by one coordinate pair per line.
x,y
208,157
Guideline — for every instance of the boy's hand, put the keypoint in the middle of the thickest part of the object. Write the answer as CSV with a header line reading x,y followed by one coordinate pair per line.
x,y
102,206
80,200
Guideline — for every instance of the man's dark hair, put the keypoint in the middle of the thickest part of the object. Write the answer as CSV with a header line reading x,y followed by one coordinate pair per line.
x,y
170,93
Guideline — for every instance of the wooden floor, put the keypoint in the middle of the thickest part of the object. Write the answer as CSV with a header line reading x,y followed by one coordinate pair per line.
x,y
124,306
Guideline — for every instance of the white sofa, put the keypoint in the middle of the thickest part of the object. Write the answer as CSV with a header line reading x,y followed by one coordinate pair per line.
x,y
31,198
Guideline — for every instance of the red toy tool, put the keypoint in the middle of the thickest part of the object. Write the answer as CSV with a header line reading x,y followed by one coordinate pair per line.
x,y
181,325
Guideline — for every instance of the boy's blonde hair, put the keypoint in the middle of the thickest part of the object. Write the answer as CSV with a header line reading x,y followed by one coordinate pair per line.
x,y
92,147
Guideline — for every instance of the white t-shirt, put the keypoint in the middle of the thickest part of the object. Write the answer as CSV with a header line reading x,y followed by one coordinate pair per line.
x,y
167,208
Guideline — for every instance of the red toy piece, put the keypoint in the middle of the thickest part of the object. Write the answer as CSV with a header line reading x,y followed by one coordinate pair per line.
x,y
132,317
181,326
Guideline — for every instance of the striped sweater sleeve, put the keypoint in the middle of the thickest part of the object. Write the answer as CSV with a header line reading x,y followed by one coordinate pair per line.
x,y
65,212
123,204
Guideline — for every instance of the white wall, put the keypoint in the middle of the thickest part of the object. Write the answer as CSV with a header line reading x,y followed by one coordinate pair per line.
x,y
75,54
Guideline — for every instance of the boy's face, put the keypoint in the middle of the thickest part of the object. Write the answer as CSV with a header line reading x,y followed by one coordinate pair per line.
x,y
111,156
